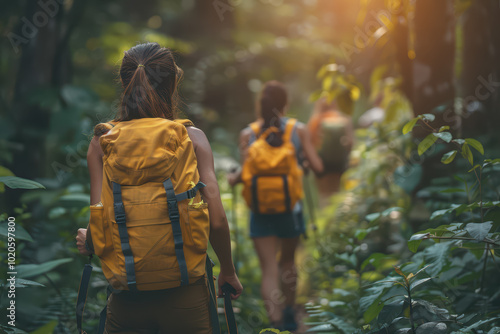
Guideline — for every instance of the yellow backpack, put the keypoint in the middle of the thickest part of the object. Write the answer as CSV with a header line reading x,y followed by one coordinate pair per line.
x,y
271,176
151,231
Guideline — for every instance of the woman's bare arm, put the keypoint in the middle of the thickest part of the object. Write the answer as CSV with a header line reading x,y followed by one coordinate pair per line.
x,y
235,177
315,162
94,165
219,228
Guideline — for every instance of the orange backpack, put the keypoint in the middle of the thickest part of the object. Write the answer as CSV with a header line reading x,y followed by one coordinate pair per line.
x,y
272,177
151,231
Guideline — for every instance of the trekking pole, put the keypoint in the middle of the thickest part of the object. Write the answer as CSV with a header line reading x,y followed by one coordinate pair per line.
x,y
310,204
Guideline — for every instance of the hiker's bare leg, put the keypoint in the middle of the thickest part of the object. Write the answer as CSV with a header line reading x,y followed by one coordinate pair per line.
x,y
288,271
267,248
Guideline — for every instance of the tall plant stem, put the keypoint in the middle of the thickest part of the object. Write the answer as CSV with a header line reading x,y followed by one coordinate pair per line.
x,y
483,276
411,311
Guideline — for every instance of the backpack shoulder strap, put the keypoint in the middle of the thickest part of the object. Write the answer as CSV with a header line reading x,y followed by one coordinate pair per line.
x,y
255,127
289,129
184,121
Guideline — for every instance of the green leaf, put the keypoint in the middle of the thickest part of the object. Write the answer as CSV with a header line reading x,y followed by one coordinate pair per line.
x,y
445,136
448,157
429,117
444,128
48,328
373,311
479,231
467,153
23,283
476,144
410,125
425,144
20,233
459,141
15,182
415,241
373,217
419,282
439,213
31,270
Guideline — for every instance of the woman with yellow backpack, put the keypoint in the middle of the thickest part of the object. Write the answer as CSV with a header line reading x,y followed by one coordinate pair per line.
x,y
272,150
155,205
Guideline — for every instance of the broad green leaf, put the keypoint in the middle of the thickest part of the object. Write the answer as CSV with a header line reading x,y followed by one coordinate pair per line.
x,y
389,312
419,282
413,245
439,213
448,157
421,270
15,182
444,128
429,117
459,141
476,144
467,153
415,241
373,311
20,233
23,283
410,125
445,136
479,231
425,144
31,270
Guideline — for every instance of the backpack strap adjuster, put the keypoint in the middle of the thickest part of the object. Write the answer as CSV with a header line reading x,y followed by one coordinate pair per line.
x,y
191,193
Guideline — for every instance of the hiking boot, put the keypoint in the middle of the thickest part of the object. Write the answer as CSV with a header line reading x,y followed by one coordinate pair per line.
x,y
289,323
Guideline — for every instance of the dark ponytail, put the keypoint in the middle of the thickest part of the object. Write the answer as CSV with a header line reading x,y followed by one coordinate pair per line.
x,y
273,100
149,78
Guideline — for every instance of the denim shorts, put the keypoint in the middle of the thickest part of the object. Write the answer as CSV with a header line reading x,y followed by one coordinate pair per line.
x,y
283,225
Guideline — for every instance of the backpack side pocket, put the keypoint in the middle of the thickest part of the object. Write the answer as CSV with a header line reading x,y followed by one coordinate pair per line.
x,y
97,230
199,225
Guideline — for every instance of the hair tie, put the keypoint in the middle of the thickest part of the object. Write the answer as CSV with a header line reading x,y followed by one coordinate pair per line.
x,y
140,65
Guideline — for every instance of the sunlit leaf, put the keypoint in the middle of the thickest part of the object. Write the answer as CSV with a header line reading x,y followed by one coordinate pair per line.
x,y
425,144
445,136
476,144
410,125
444,128
448,157
467,153
429,117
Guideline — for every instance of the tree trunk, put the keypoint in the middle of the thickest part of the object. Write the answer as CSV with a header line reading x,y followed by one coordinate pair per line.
x,y
435,53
